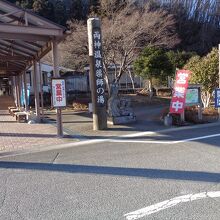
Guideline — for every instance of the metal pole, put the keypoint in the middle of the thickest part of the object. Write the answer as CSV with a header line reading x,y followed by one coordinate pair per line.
x,y
36,93
182,116
99,111
219,78
57,75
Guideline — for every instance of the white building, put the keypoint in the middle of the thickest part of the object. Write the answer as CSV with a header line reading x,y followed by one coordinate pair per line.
x,y
128,80
46,74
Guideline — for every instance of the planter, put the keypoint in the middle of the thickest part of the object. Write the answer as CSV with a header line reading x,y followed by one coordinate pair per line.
x,y
210,118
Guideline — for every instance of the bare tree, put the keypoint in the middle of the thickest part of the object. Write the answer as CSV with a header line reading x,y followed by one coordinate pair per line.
x,y
124,35
74,50
110,7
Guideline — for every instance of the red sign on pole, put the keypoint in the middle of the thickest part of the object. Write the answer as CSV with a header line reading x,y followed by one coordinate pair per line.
x,y
58,93
179,93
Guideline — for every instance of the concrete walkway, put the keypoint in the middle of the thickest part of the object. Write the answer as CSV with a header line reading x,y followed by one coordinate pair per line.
x,y
80,124
22,136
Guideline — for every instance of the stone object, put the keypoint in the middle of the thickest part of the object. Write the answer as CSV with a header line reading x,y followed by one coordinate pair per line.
x,y
119,109
121,120
168,120
31,122
90,109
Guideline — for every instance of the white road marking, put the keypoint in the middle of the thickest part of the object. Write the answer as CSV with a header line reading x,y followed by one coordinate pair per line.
x,y
197,138
164,142
49,148
140,134
170,203
141,142
96,141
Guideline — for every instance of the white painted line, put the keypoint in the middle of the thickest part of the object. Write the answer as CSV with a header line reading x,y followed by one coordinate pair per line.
x,y
139,134
49,148
170,203
164,142
141,142
96,141
197,138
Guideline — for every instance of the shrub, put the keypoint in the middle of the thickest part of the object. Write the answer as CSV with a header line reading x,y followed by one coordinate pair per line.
x,y
165,92
79,106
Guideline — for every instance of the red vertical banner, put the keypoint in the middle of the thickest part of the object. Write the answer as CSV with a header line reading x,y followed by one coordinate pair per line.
x,y
179,92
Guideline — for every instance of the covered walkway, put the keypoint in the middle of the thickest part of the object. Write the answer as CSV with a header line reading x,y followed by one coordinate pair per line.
x,y
21,136
24,39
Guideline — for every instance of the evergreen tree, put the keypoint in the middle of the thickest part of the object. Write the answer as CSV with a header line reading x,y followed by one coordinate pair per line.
x,y
60,12
95,6
153,63
76,11
44,8
24,3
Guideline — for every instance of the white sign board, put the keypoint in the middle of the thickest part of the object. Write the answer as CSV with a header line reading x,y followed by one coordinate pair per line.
x,y
58,93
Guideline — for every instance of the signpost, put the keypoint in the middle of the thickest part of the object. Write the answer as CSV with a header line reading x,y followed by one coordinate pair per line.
x,y
58,87
217,98
58,93
179,93
96,74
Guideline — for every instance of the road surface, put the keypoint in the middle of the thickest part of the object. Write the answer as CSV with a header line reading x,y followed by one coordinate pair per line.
x,y
168,175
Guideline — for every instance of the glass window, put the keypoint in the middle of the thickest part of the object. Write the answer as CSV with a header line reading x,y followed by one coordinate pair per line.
x,y
45,78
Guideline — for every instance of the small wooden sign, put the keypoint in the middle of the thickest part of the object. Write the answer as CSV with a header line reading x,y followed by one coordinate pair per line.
x,y
58,87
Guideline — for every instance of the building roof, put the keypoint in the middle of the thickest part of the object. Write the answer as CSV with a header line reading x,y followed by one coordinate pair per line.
x,y
24,37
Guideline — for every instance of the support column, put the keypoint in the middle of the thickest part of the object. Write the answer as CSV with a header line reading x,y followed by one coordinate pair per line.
x,y
21,90
14,90
57,75
36,91
18,91
25,91
41,92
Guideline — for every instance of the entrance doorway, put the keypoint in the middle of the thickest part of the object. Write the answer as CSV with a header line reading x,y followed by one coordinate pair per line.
x,y
5,88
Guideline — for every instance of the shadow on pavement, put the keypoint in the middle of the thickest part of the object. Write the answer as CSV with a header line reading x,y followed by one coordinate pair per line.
x,y
116,171
31,135
7,121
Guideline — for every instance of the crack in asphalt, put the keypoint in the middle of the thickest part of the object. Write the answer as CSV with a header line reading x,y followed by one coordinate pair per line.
x,y
56,156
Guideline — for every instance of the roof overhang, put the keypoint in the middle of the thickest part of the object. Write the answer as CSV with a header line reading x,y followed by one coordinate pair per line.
x,y
24,37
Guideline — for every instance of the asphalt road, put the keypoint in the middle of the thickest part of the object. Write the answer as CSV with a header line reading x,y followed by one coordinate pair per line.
x,y
161,172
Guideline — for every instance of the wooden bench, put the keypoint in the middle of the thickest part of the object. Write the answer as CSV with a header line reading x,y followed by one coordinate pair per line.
x,y
21,117
13,111
11,108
